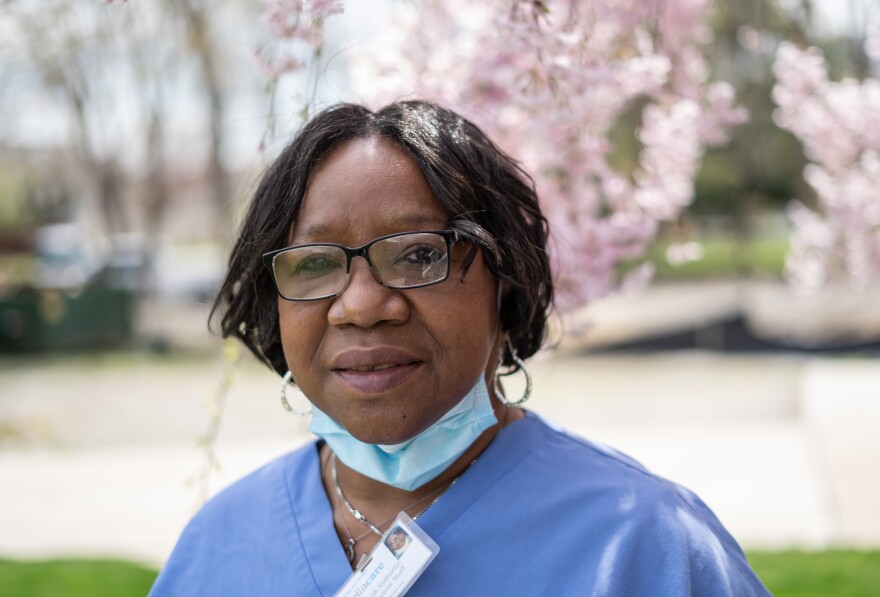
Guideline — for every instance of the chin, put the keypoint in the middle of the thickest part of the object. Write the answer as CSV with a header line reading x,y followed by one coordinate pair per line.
x,y
380,437
384,432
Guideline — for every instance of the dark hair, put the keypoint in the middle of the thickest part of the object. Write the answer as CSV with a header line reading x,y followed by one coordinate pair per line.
x,y
490,199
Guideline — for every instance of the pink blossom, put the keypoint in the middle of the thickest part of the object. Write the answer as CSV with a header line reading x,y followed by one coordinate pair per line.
x,y
549,81
836,122
283,63
296,27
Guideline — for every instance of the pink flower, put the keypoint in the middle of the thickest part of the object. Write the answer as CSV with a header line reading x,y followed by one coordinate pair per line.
x,y
549,81
836,122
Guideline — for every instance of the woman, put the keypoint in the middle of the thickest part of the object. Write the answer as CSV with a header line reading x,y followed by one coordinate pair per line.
x,y
392,264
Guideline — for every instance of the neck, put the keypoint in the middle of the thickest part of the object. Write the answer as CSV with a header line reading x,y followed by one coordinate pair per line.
x,y
381,500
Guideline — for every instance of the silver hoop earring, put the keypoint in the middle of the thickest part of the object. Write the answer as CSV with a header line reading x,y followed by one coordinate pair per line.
x,y
520,366
284,381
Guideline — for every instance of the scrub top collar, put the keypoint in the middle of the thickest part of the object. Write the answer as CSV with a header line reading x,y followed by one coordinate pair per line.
x,y
313,514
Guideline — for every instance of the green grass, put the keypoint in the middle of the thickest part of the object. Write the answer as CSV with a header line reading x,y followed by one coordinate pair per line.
x,y
837,573
724,258
74,578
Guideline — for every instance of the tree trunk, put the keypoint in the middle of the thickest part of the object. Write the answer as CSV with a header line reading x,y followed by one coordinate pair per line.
x,y
218,176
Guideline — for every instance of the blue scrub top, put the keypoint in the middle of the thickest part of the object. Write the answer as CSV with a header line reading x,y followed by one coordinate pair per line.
x,y
540,512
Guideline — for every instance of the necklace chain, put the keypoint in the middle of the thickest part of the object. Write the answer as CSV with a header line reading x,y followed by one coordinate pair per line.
x,y
376,528
373,528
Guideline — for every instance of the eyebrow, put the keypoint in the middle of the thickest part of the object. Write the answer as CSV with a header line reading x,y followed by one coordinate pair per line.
x,y
316,231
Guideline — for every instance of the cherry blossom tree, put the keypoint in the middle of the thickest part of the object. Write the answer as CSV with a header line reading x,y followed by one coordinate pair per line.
x,y
296,45
837,123
549,80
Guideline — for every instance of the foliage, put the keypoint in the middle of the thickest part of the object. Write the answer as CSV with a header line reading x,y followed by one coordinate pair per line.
x,y
837,123
16,270
759,170
98,90
553,80
842,573
793,573
295,25
16,212
720,257
550,81
74,578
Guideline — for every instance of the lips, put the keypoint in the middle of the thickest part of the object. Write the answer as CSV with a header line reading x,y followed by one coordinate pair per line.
x,y
373,368
376,369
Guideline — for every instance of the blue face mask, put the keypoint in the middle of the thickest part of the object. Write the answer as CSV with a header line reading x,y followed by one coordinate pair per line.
x,y
411,464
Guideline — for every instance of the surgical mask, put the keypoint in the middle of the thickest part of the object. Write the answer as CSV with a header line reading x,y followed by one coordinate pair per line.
x,y
411,464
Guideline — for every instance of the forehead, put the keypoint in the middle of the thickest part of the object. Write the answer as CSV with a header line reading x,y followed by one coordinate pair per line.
x,y
363,189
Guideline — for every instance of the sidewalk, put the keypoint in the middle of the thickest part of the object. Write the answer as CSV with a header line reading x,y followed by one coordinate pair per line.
x,y
95,458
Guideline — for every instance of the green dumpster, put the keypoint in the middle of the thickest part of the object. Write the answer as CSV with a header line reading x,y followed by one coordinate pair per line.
x,y
46,319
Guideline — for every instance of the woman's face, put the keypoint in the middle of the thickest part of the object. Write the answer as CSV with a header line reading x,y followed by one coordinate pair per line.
x,y
385,364
396,541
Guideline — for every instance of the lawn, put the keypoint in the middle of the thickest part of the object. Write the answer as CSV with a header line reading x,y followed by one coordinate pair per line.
x,y
74,578
724,257
842,573
837,573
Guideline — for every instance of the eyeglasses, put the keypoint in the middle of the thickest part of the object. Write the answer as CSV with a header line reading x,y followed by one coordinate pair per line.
x,y
316,271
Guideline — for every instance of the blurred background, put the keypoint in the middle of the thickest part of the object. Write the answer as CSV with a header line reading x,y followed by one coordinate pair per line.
x,y
743,364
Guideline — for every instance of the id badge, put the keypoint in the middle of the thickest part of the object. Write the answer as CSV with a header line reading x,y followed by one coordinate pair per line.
x,y
397,561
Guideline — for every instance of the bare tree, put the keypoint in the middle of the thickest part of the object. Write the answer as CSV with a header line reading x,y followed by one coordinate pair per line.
x,y
117,75
200,41
56,41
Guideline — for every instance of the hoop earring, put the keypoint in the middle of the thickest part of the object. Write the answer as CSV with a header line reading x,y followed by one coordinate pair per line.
x,y
284,381
520,366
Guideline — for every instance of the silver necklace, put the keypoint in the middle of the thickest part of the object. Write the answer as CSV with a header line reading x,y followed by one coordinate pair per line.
x,y
373,528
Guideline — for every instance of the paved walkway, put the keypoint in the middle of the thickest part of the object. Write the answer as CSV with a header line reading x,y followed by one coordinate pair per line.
x,y
97,458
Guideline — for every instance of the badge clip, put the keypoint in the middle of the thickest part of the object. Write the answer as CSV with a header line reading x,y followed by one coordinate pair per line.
x,y
397,561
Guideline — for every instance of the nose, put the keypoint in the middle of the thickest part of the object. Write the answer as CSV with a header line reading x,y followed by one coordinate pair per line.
x,y
364,302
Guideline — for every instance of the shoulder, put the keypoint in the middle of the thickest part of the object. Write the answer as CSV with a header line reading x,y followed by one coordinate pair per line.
x,y
591,465
557,454
644,526
247,522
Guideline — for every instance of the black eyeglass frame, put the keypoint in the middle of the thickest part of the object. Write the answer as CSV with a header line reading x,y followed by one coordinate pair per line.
x,y
363,251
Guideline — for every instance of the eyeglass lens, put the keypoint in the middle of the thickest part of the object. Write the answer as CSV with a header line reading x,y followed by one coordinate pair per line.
x,y
403,261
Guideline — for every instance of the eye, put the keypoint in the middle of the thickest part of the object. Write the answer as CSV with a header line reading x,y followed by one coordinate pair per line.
x,y
422,255
317,265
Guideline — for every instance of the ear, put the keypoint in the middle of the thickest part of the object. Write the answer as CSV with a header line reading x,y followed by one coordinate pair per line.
x,y
505,288
503,291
